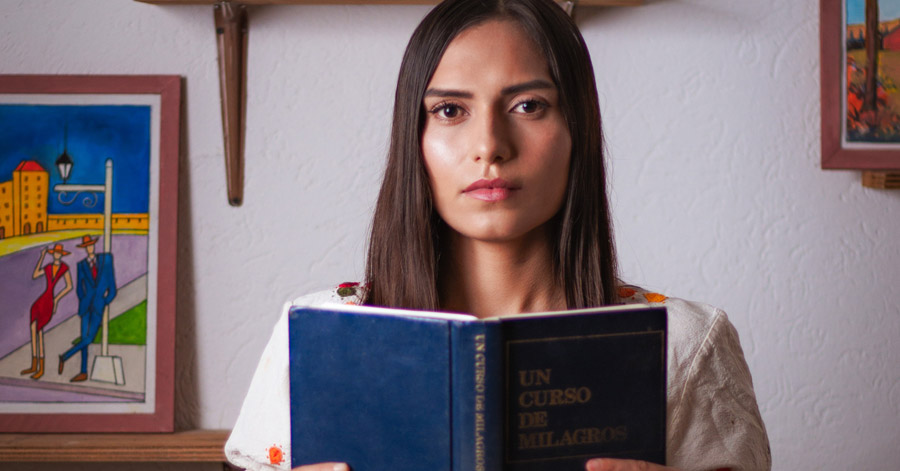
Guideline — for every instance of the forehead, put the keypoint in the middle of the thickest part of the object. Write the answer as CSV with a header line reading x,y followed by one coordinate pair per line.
x,y
496,51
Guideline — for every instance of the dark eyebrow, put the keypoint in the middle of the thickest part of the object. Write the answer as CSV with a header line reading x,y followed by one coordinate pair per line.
x,y
447,93
510,90
531,85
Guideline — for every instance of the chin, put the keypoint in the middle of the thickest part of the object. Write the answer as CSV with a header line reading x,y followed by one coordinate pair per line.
x,y
496,231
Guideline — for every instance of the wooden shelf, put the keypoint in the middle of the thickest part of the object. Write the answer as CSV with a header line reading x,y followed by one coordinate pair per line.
x,y
363,2
192,446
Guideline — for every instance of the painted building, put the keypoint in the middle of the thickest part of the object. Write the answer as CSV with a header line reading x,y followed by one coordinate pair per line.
x,y
23,200
23,207
7,210
890,40
120,221
889,31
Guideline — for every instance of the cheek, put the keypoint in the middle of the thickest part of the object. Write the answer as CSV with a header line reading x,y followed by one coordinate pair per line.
x,y
441,162
550,170
438,148
551,162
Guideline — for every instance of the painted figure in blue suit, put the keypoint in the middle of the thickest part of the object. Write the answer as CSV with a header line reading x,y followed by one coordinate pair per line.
x,y
96,288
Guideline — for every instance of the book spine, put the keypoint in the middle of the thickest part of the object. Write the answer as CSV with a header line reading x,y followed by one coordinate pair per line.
x,y
476,396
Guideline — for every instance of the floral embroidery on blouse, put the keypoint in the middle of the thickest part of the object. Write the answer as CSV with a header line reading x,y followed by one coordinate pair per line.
x,y
347,289
629,294
350,292
655,297
276,455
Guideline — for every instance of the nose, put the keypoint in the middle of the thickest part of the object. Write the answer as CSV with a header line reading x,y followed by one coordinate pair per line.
x,y
492,140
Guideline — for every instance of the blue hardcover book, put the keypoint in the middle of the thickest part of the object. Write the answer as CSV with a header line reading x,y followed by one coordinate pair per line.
x,y
394,390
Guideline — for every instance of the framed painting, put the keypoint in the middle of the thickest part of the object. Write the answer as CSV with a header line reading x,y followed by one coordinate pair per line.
x,y
860,67
88,202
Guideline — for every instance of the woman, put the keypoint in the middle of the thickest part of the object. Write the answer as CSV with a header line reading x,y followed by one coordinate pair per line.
x,y
45,306
493,202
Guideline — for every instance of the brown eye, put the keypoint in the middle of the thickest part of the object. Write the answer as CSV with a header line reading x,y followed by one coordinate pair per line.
x,y
529,107
447,111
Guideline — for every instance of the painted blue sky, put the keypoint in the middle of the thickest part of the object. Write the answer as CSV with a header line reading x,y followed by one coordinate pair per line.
x,y
95,133
887,10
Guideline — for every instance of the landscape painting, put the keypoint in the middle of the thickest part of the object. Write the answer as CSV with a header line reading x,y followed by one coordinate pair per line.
x,y
79,259
872,53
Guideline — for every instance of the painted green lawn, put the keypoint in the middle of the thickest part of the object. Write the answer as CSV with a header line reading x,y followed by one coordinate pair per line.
x,y
129,328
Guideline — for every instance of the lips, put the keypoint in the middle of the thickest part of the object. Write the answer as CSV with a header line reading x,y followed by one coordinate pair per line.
x,y
497,189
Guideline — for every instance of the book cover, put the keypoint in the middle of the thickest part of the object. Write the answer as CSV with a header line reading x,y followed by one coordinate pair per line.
x,y
387,389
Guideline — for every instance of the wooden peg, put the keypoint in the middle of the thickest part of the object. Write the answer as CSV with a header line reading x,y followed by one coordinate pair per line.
x,y
568,6
889,180
231,39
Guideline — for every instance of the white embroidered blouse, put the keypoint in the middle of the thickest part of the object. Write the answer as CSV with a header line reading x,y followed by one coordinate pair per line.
x,y
713,421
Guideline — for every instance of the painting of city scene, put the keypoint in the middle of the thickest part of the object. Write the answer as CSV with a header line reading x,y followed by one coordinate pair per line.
x,y
872,42
75,226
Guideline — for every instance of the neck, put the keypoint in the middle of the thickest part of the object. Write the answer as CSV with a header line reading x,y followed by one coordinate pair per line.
x,y
495,278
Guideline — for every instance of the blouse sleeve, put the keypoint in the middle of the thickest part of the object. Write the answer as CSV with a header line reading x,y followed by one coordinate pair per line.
x,y
716,423
261,439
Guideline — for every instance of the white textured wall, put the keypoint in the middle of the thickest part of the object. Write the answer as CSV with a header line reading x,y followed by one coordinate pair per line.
x,y
712,119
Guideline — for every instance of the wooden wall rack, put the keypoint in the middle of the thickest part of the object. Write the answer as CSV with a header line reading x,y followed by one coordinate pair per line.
x,y
231,37
884,180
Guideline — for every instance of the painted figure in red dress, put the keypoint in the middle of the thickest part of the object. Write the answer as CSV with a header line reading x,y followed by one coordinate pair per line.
x,y
45,306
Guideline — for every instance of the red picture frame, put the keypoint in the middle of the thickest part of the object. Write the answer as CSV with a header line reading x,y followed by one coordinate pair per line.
x,y
835,154
162,95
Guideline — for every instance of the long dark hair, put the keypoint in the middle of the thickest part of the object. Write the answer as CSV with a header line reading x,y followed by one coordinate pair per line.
x,y
405,245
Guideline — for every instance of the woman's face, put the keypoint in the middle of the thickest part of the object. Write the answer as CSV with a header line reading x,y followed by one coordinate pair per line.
x,y
495,142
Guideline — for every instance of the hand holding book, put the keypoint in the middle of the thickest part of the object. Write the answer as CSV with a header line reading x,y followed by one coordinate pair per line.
x,y
600,464
323,467
609,464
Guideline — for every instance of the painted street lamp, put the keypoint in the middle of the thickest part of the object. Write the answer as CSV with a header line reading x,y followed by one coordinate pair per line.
x,y
106,368
64,165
